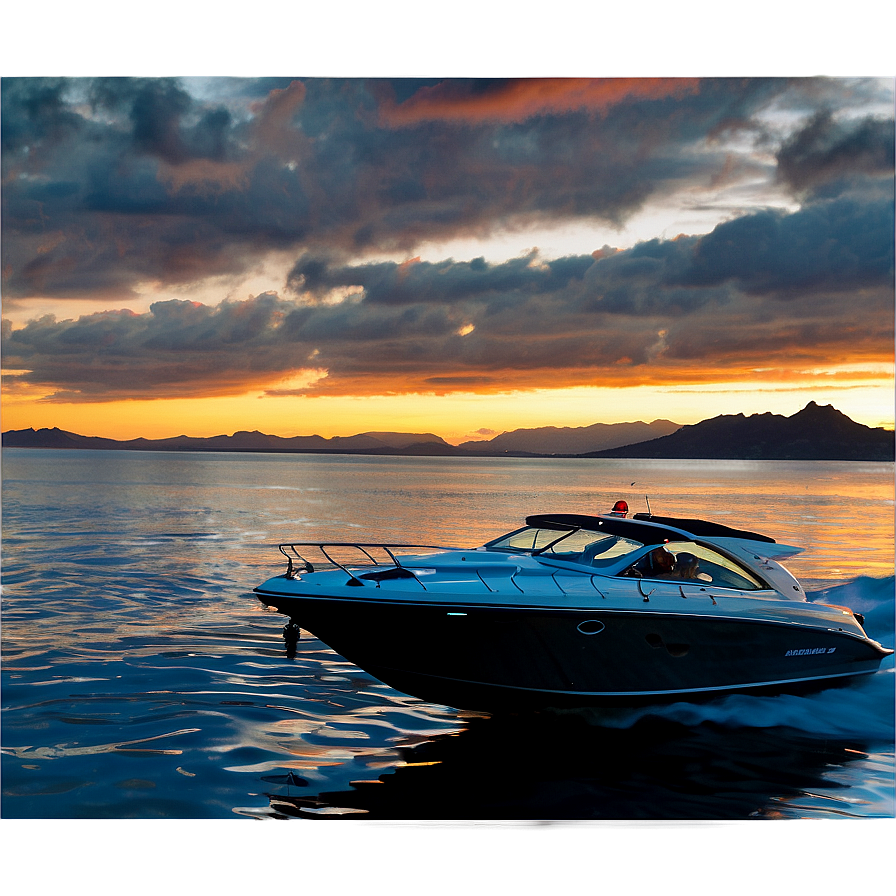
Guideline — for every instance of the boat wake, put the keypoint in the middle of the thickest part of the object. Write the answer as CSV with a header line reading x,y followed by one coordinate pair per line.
x,y
863,710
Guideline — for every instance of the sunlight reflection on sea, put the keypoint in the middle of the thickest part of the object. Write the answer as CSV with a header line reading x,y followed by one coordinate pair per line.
x,y
142,679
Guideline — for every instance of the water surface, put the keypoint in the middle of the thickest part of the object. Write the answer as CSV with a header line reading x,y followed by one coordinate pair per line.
x,y
142,679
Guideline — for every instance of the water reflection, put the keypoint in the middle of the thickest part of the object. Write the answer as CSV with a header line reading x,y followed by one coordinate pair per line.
x,y
554,767
142,679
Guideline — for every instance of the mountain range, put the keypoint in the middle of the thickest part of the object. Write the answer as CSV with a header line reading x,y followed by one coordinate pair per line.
x,y
817,432
814,433
521,442
573,439
368,442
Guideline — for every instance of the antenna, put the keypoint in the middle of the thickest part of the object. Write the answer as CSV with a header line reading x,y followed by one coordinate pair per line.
x,y
649,511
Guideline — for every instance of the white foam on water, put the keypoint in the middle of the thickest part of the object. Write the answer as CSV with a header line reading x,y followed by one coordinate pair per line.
x,y
863,710
873,598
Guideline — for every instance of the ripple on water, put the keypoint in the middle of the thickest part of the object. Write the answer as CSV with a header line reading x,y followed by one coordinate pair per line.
x,y
142,679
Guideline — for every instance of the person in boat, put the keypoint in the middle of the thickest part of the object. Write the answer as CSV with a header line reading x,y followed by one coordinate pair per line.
x,y
659,563
620,508
686,566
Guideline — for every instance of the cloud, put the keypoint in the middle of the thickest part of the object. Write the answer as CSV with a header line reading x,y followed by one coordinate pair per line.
x,y
686,310
438,283
827,150
835,245
110,183
178,348
115,181
517,99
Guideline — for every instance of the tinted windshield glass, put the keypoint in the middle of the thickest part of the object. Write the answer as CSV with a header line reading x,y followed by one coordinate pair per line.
x,y
528,539
579,546
688,561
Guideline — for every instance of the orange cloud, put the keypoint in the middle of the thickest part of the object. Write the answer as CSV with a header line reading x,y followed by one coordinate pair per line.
x,y
605,252
204,175
274,115
518,100
405,266
484,381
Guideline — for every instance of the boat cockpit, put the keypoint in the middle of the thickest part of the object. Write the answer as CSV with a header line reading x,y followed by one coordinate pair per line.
x,y
628,548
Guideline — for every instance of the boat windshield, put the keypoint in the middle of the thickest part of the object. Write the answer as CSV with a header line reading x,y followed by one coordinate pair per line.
x,y
572,546
687,560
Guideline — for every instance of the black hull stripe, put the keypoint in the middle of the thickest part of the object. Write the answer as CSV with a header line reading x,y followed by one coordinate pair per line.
x,y
682,691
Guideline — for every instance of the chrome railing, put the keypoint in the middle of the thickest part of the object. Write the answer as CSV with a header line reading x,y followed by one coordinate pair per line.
x,y
377,554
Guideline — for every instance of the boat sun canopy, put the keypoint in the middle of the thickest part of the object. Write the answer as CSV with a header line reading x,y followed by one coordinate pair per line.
x,y
644,532
703,528
655,529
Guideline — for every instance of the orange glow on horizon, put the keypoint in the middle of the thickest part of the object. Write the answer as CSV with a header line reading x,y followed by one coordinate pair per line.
x,y
456,417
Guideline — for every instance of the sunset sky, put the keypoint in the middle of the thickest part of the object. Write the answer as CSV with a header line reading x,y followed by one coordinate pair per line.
x,y
461,256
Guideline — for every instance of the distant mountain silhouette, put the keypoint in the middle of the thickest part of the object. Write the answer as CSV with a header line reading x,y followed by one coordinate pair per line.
x,y
814,433
363,443
571,439
546,440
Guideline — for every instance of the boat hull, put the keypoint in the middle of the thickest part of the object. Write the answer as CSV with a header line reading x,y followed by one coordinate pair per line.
x,y
476,656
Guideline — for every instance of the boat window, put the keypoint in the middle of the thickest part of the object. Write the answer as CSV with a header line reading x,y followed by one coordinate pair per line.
x,y
528,539
593,548
696,563
573,546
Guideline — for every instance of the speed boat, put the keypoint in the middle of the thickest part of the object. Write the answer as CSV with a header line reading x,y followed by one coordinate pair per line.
x,y
573,609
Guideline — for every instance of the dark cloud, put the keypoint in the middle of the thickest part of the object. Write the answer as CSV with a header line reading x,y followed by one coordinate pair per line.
x,y
444,282
663,311
840,245
178,348
112,181
35,111
109,182
827,150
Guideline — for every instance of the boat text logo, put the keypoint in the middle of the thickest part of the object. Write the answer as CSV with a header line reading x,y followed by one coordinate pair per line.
x,y
809,651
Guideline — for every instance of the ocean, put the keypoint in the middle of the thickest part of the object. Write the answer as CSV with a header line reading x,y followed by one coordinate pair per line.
x,y
141,679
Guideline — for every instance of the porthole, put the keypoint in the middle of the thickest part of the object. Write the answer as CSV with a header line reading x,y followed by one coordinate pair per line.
x,y
590,626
